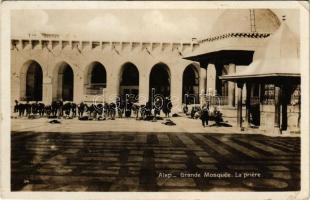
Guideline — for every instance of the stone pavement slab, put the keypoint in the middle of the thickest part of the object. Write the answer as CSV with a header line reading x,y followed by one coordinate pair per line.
x,y
151,161
183,125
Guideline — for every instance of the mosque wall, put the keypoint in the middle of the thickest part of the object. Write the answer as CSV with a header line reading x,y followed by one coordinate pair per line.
x,y
52,54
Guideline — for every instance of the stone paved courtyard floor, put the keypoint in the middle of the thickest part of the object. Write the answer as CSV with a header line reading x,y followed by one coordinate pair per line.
x,y
67,157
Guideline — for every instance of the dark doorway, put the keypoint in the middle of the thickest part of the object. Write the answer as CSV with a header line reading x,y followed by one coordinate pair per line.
x,y
159,81
190,89
65,83
96,79
34,79
129,82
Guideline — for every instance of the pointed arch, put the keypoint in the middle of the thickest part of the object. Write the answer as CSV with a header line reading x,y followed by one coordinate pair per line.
x,y
95,79
160,80
129,80
31,81
190,85
63,82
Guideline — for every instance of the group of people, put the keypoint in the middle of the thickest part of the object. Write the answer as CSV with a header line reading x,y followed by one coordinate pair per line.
x,y
204,113
89,111
120,108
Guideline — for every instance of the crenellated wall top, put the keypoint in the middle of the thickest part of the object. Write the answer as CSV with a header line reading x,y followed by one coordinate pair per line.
x,y
53,43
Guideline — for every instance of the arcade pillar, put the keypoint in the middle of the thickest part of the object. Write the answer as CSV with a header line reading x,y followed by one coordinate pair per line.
x,y
143,87
176,91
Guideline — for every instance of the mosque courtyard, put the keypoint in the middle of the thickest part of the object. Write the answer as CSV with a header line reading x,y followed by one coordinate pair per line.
x,y
133,155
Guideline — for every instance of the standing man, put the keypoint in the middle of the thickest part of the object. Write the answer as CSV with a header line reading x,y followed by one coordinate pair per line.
x,y
167,106
204,116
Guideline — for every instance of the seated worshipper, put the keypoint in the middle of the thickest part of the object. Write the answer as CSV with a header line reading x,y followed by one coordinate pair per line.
x,y
135,109
67,109
112,110
16,106
185,109
128,109
81,109
195,112
157,106
120,108
105,110
41,109
28,109
167,106
48,110
73,109
21,109
99,110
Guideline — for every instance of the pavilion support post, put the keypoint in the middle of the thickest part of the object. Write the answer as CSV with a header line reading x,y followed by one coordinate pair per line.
x,y
218,82
239,104
231,86
248,105
277,111
285,97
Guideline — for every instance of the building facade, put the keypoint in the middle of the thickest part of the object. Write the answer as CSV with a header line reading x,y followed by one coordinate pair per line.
x,y
45,70
46,67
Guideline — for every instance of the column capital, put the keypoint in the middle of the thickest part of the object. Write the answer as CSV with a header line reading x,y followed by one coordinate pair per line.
x,y
278,84
204,65
240,84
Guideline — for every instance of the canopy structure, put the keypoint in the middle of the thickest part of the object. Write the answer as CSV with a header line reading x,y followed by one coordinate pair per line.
x,y
235,36
276,62
279,57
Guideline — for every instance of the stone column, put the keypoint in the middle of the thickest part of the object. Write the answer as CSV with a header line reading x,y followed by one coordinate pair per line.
x,y
15,88
239,104
176,91
211,78
112,90
60,85
277,110
231,86
47,94
144,81
78,90
202,85
202,80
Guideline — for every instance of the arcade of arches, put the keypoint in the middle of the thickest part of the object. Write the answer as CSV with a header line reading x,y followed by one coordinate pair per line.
x,y
65,82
